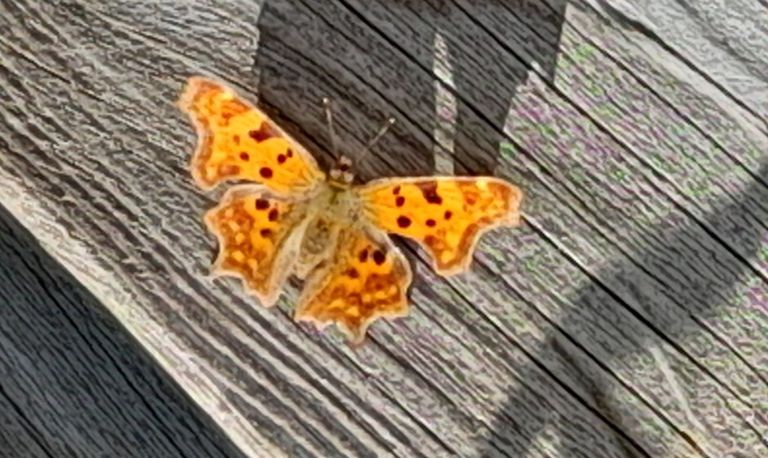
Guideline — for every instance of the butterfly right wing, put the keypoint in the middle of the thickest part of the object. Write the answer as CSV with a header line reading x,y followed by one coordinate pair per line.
x,y
260,236
445,215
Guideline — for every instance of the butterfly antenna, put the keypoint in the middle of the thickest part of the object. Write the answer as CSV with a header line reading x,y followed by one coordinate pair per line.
x,y
384,128
329,119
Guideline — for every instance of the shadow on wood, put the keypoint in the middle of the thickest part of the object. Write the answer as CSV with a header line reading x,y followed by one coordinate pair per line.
x,y
486,74
73,382
706,301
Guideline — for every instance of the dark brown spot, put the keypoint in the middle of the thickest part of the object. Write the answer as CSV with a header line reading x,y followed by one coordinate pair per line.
x,y
236,139
353,273
448,214
431,222
470,198
429,190
396,190
376,282
289,153
363,256
399,201
434,199
355,299
262,133
273,214
244,156
431,241
265,172
262,204
379,257
280,158
403,221
265,232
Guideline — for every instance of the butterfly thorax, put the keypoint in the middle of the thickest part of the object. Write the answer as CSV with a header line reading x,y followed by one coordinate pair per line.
x,y
332,208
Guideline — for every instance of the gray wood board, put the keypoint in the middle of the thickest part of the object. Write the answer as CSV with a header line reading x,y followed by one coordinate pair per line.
x,y
72,381
627,317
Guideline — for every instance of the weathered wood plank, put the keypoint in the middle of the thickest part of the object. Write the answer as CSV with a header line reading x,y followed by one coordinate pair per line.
x,y
725,46
627,318
73,381
17,436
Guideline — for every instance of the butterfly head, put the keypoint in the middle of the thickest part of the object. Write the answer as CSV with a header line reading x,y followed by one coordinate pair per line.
x,y
341,174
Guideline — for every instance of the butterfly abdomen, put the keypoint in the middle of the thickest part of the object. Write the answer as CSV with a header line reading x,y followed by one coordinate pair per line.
x,y
318,237
335,209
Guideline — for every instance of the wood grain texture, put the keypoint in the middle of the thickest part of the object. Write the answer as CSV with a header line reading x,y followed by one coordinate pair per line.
x,y
73,382
628,317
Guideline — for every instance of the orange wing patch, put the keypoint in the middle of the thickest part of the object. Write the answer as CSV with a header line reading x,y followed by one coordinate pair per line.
x,y
238,141
259,238
365,279
446,215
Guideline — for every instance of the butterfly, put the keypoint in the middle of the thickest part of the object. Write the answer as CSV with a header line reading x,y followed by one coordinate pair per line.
x,y
291,218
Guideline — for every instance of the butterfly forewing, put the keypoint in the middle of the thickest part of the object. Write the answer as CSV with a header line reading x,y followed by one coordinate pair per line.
x,y
237,141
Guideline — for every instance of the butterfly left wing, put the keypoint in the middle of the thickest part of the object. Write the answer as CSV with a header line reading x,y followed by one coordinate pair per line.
x,y
446,215
365,277
237,141
260,236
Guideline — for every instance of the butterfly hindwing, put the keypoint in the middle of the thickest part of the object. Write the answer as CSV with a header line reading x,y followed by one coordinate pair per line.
x,y
237,141
364,278
259,237
446,215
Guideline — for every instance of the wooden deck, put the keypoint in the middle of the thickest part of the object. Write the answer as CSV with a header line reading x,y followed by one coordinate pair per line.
x,y
627,317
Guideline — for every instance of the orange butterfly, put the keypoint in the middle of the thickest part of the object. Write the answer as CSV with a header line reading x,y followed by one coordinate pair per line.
x,y
295,219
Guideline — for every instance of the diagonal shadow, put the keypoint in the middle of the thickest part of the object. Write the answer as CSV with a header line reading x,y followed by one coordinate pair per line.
x,y
487,67
705,289
78,381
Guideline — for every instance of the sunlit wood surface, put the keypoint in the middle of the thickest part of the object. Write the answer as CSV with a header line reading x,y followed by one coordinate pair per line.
x,y
627,317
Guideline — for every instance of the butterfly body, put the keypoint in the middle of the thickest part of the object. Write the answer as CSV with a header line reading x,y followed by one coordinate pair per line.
x,y
335,207
322,227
